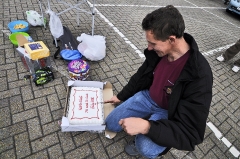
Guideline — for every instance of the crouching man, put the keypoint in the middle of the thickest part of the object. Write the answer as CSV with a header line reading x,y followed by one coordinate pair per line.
x,y
166,102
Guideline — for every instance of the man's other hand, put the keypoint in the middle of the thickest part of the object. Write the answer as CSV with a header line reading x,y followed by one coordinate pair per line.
x,y
134,126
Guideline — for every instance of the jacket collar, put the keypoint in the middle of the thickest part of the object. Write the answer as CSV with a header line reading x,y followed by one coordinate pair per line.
x,y
190,69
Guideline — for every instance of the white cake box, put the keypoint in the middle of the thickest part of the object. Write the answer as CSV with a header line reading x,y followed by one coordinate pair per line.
x,y
108,107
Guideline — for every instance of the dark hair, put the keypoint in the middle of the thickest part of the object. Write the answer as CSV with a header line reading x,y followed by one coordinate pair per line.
x,y
164,22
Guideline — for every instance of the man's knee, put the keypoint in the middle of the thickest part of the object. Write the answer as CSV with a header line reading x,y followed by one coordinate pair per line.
x,y
112,123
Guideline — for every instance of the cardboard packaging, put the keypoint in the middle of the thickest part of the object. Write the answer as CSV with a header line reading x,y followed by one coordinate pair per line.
x,y
21,40
108,107
29,63
32,65
37,50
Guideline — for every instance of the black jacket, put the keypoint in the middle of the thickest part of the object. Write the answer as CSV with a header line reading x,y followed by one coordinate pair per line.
x,y
189,101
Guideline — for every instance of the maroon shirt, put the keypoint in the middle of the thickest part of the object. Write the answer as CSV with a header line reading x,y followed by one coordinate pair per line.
x,y
165,75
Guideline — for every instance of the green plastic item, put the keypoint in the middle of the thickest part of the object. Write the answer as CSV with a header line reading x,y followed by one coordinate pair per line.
x,y
13,38
43,76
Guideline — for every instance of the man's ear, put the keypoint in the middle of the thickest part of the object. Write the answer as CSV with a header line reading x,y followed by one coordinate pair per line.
x,y
172,39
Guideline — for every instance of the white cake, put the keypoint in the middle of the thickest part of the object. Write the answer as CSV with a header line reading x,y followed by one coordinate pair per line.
x,y
86,106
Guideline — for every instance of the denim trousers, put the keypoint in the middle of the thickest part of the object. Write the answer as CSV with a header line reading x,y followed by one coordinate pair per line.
x,y
140,105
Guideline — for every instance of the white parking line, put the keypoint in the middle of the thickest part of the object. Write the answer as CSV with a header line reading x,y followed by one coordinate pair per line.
x,y
213,14
152,6
187,7
127,41
215,130
218,134
217,50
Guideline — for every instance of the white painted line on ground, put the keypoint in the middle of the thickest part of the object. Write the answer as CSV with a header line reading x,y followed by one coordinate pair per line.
x,y
234,151
217,50
213,14
217,133
226,142
127,41
219,136
152,6
138,51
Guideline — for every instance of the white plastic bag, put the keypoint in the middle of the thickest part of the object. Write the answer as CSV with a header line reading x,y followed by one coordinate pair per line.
x,y
55,24
34,18
92,47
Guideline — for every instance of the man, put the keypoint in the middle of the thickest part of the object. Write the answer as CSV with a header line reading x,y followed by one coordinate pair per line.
x,y
166,102
229,54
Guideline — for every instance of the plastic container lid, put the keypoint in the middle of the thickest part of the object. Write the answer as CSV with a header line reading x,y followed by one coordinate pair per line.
x,y
78,70
78,66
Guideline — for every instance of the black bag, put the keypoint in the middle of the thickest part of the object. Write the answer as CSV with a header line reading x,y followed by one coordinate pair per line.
x,y
67,41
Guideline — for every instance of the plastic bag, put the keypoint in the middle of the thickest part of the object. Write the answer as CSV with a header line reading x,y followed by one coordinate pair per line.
x,y
92,47
70,54
55,24
34,18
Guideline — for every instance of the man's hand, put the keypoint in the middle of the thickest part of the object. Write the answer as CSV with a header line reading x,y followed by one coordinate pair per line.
x,y
134,126
113,100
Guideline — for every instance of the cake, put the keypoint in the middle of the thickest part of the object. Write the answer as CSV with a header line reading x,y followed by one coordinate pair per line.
x,y
86,106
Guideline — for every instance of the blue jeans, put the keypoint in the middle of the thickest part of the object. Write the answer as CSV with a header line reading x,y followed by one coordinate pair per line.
x,y
140,105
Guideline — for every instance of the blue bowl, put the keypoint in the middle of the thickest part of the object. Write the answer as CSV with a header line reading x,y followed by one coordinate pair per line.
x,y
24,27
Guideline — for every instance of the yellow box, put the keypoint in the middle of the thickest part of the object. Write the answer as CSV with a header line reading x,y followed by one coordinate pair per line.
x,y
36,50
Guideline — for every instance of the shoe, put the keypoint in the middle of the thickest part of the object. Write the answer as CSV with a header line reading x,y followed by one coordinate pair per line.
x,y
220,58
235,68
131,149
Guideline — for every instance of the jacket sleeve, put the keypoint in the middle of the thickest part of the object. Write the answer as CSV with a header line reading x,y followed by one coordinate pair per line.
x,y
186,125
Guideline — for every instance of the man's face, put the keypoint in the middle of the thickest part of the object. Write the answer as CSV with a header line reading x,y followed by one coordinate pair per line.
x,y
162,48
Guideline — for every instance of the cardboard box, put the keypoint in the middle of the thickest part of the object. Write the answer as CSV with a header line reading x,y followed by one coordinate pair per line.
x,y
32,65
37,50
28,62
108,107
21,40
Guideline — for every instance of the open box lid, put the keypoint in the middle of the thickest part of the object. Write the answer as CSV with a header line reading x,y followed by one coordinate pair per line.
x,y
21,40
108,107
77,83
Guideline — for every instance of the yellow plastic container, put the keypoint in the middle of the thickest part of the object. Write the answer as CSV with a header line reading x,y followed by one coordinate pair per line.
x,y
37,50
